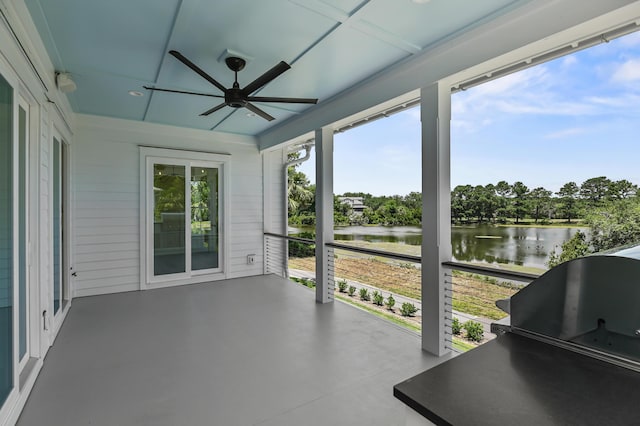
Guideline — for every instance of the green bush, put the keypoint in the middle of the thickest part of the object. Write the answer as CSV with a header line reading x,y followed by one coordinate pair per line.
x,y
352,290
307,282
364,294
378,299
390,302
304,281
299,249
456,326
342,286
475,331
408,309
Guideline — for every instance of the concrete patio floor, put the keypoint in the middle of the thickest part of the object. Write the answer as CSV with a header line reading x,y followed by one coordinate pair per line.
x,y
249,351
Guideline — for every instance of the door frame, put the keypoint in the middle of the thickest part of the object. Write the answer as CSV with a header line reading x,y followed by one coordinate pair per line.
x,y
65,229
150,156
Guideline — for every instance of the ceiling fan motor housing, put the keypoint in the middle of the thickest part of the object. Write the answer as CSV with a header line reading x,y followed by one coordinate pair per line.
x,y
235,98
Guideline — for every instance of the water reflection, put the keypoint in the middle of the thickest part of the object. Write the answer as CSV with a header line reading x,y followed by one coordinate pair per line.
x,y
520,246
475,243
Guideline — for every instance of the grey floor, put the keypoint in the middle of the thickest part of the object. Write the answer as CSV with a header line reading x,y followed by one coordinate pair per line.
x,y
251,351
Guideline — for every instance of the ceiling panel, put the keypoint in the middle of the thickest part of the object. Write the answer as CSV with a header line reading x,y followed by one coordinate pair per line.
x,y
338,62
123,37
241,122
107,94
346,6
165,106
425,23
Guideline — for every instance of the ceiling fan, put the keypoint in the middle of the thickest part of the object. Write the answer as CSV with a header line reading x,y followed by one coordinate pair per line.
x,y
235,96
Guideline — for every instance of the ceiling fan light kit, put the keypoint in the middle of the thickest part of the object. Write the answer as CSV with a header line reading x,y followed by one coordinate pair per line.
x,y
235,96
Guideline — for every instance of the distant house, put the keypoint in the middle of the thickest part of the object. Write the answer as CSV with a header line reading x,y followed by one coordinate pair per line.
x,y
356,203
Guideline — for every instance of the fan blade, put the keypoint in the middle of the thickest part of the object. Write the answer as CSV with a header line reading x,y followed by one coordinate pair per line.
x,y
266,78
214,109
285,100
196,69
182,91
254,109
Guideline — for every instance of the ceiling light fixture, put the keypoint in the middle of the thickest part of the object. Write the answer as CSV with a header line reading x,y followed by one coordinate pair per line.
x,y
135,93
420,1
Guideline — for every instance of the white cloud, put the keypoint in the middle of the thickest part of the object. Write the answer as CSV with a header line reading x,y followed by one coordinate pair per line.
x,y
566,133
627,72
569,61
545,106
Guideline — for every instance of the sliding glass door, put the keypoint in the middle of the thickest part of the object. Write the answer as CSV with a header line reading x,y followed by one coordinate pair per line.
x,y
59,195
204,218
183,216
169,223
6,240
23,237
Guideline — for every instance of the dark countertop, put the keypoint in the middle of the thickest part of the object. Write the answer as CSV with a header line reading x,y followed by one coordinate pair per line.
x,y
514,380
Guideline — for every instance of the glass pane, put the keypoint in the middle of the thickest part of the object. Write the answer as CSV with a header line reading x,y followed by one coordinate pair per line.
x,y
56,226
204,218
6,240
63,198
168,219
22,231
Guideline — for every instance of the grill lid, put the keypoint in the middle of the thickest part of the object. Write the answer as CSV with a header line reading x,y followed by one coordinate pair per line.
x,y
591,302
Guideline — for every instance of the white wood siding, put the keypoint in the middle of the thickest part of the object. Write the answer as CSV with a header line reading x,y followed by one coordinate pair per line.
x,y
106,185
274,198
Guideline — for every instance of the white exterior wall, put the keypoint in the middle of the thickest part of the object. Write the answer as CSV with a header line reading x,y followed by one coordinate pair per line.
x,y
29,71
274,210
106,186
274,191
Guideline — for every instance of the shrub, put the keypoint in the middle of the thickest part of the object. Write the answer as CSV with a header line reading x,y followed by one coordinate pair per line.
x,y
307,282
364,294
352,290
456,326
390,302
342,286
378,299
475,331
408,309
299,249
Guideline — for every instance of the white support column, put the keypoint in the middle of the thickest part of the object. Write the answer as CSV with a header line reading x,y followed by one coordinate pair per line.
x,y
436,212
324,215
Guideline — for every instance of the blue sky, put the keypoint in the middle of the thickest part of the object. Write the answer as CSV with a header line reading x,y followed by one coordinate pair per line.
x,y
570,119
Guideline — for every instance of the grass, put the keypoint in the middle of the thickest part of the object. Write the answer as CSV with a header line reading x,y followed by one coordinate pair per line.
x,y
511,267
472,294
391,277
459,344
389,317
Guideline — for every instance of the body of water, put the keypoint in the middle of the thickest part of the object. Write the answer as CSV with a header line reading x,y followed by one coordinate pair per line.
x,y
473,243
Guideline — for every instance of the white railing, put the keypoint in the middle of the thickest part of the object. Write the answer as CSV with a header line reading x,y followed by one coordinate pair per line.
x,y
470,291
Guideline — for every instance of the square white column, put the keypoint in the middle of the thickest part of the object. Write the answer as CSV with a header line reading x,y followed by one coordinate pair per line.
x,y
324,215
436,212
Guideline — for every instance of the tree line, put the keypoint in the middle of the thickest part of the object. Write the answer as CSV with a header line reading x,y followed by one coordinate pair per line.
x,y
503,201
492,203
609,208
